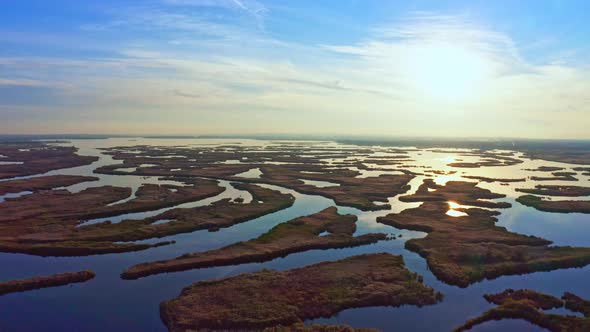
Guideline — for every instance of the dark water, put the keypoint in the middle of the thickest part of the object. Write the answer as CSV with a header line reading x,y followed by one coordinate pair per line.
x,y
110,303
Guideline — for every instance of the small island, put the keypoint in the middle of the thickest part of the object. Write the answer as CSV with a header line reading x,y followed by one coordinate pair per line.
x,y
556,190
585,170
530,305
261,300
487,159
487,179
554,206
557,176
545,169
54,280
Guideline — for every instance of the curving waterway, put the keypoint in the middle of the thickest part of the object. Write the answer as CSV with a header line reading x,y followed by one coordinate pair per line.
x,y
110,303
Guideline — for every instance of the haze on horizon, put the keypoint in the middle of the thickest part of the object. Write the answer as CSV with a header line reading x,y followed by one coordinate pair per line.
x,y
202,67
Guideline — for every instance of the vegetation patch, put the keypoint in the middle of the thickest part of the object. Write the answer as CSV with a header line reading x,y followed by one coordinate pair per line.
x,y
55,280
466,249
554,206
269,298
529,305
296,235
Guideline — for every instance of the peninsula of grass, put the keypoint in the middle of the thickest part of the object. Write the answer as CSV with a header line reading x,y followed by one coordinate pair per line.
x,y
297,235
42,183
529,305
55,280
467,249
557,190
554,206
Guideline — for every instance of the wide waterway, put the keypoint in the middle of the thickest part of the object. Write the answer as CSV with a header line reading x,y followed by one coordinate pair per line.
x,y
110,303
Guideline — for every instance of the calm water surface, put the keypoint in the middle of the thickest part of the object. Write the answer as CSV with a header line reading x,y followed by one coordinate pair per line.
x,y
110,303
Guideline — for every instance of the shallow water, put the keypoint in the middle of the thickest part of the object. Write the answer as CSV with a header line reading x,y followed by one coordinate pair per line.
x,y
320,184
110,303
254,173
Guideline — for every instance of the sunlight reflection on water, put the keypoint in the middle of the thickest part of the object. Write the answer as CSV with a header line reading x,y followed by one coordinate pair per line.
x,y
136,305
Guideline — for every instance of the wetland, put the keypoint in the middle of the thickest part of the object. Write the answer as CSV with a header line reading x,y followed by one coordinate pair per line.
x,y
368,237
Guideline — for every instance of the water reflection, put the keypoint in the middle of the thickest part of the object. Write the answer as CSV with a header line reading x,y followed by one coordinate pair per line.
x,y
453,210
135,308
254,173
319,184
230,192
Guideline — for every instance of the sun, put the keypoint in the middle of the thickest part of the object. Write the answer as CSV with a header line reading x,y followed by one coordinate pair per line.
x,y
447,72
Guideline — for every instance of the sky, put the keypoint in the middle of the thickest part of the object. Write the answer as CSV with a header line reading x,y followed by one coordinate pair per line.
x,y
344,67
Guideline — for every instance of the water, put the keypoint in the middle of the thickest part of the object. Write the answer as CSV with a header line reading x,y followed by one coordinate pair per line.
x,y
14,195
110,303
230,193
320,184
254,173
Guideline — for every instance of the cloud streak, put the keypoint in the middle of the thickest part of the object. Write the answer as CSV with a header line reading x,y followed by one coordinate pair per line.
x,y
225,76
251,7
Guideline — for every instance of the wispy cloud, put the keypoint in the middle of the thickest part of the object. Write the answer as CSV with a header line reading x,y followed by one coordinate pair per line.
x,y
251,7
419,31
28,83
217,75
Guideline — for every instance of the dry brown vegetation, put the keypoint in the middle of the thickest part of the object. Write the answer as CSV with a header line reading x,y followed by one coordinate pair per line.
x,y
220,214
45,223
300,327
529,305
556,190
23,285
486,179
300,234
487,159
42,183
554,206
463,250
287,169
38,158
585,170
260,300
557,176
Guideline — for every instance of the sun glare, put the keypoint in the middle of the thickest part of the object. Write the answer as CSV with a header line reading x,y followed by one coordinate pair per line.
x,y
446,72
453,212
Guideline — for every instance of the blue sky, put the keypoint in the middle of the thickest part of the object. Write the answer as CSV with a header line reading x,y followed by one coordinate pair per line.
x,y
411,68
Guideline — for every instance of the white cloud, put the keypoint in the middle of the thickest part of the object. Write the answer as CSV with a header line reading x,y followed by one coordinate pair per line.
x,y
28,83
229,78
253,8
